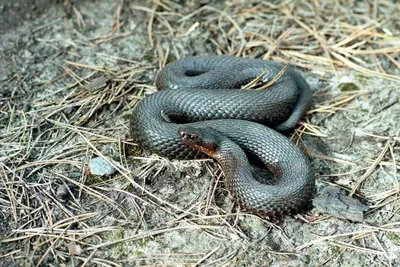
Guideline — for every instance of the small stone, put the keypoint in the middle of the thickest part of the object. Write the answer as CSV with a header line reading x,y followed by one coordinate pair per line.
x,y
74,249
234,237
98,83
99,166
347,87
335,202
27,53
346,84
62,192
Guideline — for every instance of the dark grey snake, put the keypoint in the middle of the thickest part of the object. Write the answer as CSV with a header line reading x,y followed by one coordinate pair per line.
x,y
214,116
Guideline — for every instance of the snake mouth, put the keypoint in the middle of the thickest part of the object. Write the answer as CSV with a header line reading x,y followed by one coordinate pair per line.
x,y
197,139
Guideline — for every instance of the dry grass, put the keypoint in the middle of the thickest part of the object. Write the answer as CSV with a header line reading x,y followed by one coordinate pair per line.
x,y
48,144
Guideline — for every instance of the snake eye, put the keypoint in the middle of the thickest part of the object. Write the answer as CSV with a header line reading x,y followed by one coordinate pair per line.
x,y
191,136
187,136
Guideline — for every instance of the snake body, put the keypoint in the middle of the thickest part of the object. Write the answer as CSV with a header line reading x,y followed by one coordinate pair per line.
x,y
213,99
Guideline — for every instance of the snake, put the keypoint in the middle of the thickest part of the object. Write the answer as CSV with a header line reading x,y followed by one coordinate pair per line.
x,y
204,108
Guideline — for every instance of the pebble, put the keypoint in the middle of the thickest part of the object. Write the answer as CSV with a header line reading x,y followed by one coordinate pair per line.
x,y
74,249
62,192
99,166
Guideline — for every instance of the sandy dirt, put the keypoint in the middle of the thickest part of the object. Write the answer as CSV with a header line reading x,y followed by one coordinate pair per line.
x,y
70,75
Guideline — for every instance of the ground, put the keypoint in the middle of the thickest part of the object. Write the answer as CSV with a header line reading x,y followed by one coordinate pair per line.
x,y
71,73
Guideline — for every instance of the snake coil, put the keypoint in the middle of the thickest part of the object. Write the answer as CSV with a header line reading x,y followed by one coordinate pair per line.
x,y
203,92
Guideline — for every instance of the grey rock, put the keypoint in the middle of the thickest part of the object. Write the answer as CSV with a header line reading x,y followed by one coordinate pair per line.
x,y
62,192
335,202
99,166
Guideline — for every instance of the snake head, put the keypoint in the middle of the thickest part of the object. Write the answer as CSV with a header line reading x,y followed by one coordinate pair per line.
x,y
205,139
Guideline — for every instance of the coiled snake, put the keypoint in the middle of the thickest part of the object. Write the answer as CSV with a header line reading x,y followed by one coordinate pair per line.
x,y
205,111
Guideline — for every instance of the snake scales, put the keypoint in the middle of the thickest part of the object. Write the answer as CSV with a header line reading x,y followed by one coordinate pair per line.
x,y
204,100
